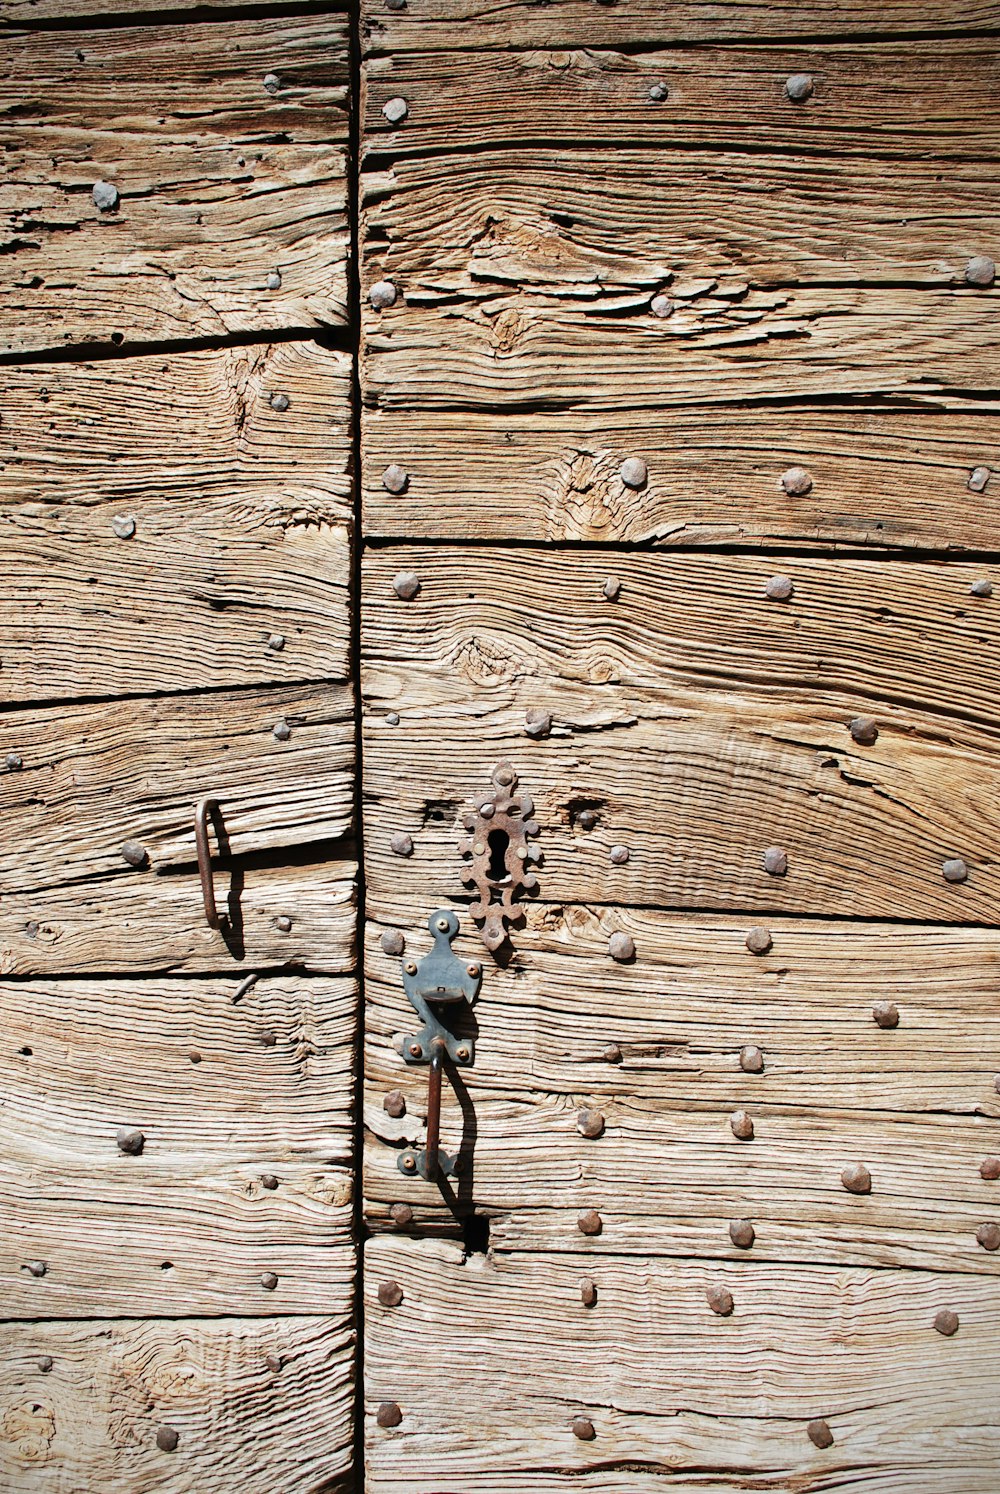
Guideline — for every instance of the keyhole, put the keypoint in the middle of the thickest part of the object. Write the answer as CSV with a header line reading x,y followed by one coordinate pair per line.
x,y
499,844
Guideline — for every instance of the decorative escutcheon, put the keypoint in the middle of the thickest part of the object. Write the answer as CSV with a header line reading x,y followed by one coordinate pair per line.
x,y
499,828
440,979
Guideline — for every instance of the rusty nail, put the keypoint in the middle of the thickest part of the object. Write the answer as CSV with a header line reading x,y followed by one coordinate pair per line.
x,y
395,110
283,923
388,1414
45,1363
537,723
406,584
886,1013
797,482
621,947
751,1059
401,1215
276,642
588,1291
758,940
590,1123
134,853
272,82
612,1053
394,1104
856,1178
131,1142
269,1181
742,1233
720,1300
35,1268
105,196
980,270
281,731
273,1362
799,87
742,1125
661,305
382,294
246,984
278,402
864,730
589,1222
167,1439
954,870
779,589
123,526
988,1236
390,1293
268,1281
401,844
775,861
633,472
395,479
989,1169
393,942
274,280
583,1428
15,762
981,588
946,1322
819,1433
619,855
978,478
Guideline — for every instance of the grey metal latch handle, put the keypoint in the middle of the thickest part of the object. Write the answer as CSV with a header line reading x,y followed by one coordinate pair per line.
x,y
439,979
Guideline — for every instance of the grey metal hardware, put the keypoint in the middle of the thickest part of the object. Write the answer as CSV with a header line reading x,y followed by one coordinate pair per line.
x,y
499,830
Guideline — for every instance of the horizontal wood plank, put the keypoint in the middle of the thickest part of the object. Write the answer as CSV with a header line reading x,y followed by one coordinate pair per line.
x,y
191,1224
880,477
265,1403
673,1391
701,722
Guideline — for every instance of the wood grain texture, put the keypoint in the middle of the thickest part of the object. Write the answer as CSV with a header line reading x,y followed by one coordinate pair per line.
x,y
702,723
673,1391
91,1421
95,776
433,25
881,477
876,98
189,1225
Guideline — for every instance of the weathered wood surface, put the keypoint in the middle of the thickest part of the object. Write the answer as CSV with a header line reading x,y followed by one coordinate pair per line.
x,y
222,182
91,1421
189,1225
880,476
703,722
877,98
431,25
138,923
673,1391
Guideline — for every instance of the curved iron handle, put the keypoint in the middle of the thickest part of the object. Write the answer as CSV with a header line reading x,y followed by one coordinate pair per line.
x,y
203,809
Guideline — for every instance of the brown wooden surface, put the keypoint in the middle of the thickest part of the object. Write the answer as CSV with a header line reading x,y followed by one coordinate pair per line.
x,y
675,1394
91,1421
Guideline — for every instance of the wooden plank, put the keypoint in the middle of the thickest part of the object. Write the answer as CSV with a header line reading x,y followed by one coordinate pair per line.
x,y
189,1225
671,1389
876,98
91,1421
880,476
445,25
702,723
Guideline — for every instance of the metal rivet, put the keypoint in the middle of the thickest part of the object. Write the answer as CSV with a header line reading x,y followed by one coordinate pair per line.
x,y
946,1322
720,1300
105,195
758,940
281,731
633,472
779,589
401,1215
274,280
382,294
283,923
415,1050
392,718
134,853
123,526
742,1125
390,1293
582,1428
955,870
799,87
130,1141
394,1104
392,942
980,270
401,844
611,589
590,1123
406,584
537,723
276,642
661,306
272,82
621,947
395,479
886,1014
589,1222
751,1059
273,1362
819,1433
619,855
167,1439
775,861
45,1364
473,969
982,588
388,1414
612,1053
269,1181
268,1281
978,478
15,762
864,730
588,1291
395,110
988,1236
278,402
35,1268
856,1178
797,482
989,1169
742,1233
658,92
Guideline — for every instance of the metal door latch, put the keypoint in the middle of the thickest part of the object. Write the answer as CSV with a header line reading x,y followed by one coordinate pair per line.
x,y
440,979
499,830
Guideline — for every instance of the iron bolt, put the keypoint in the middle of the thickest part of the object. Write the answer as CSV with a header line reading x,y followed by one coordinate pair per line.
x,y
395,110
272,82
406,584
35,1268
720,1300
864,730
982,588
797,482
392,942
980,270
582,1428
283,923
269,1181
274,280
388,1414
14,762
401,844
955,870
742,1233
278,402
621,947
661,306
537,723
281,731
390,1293
775,861
273,1363
611,589
988,1236
131,1142
779,589
395,479
134,853
856,1178
589,1222
978,478
105,195
742,1125
588,1291
658,93
590,1123
612,1053
751,1059
819,1433
633,472
799,87
123,526
167,1439
382,294
886,1013
394,1104
401,1215
990,1169
268,1281
276,642
946,1322
45,1363
758,940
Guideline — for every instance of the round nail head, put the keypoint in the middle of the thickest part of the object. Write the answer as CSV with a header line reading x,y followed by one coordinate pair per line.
x,y
779,589
988,1236
406,584
390,1293
45,1364
15,762
742,1233
955,870
978,478
271,82
274,280
36,1268
401,844
401,1215
758,940
273,1363
123,526
134,853
775,861
856,1178
130,1141
537,723
382,295
394,1104
589,1222
590,1123
989,1169
105,195
621,947
276,642
582,1428
633,472
946,1322
981,588
395,479
658,92
751,1059
588,1291
281,731
864,730
269,1181
819,1433
980,270
279,402
167,1439
268,1281
797,482
395,110
661,306
393,942
886,1014
619,855
611,589
720,1300
742,1125
283,923
799,87
612,1053
388,1414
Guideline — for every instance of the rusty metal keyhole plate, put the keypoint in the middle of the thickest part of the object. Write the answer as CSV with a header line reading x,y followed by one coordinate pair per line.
x,y
498,855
